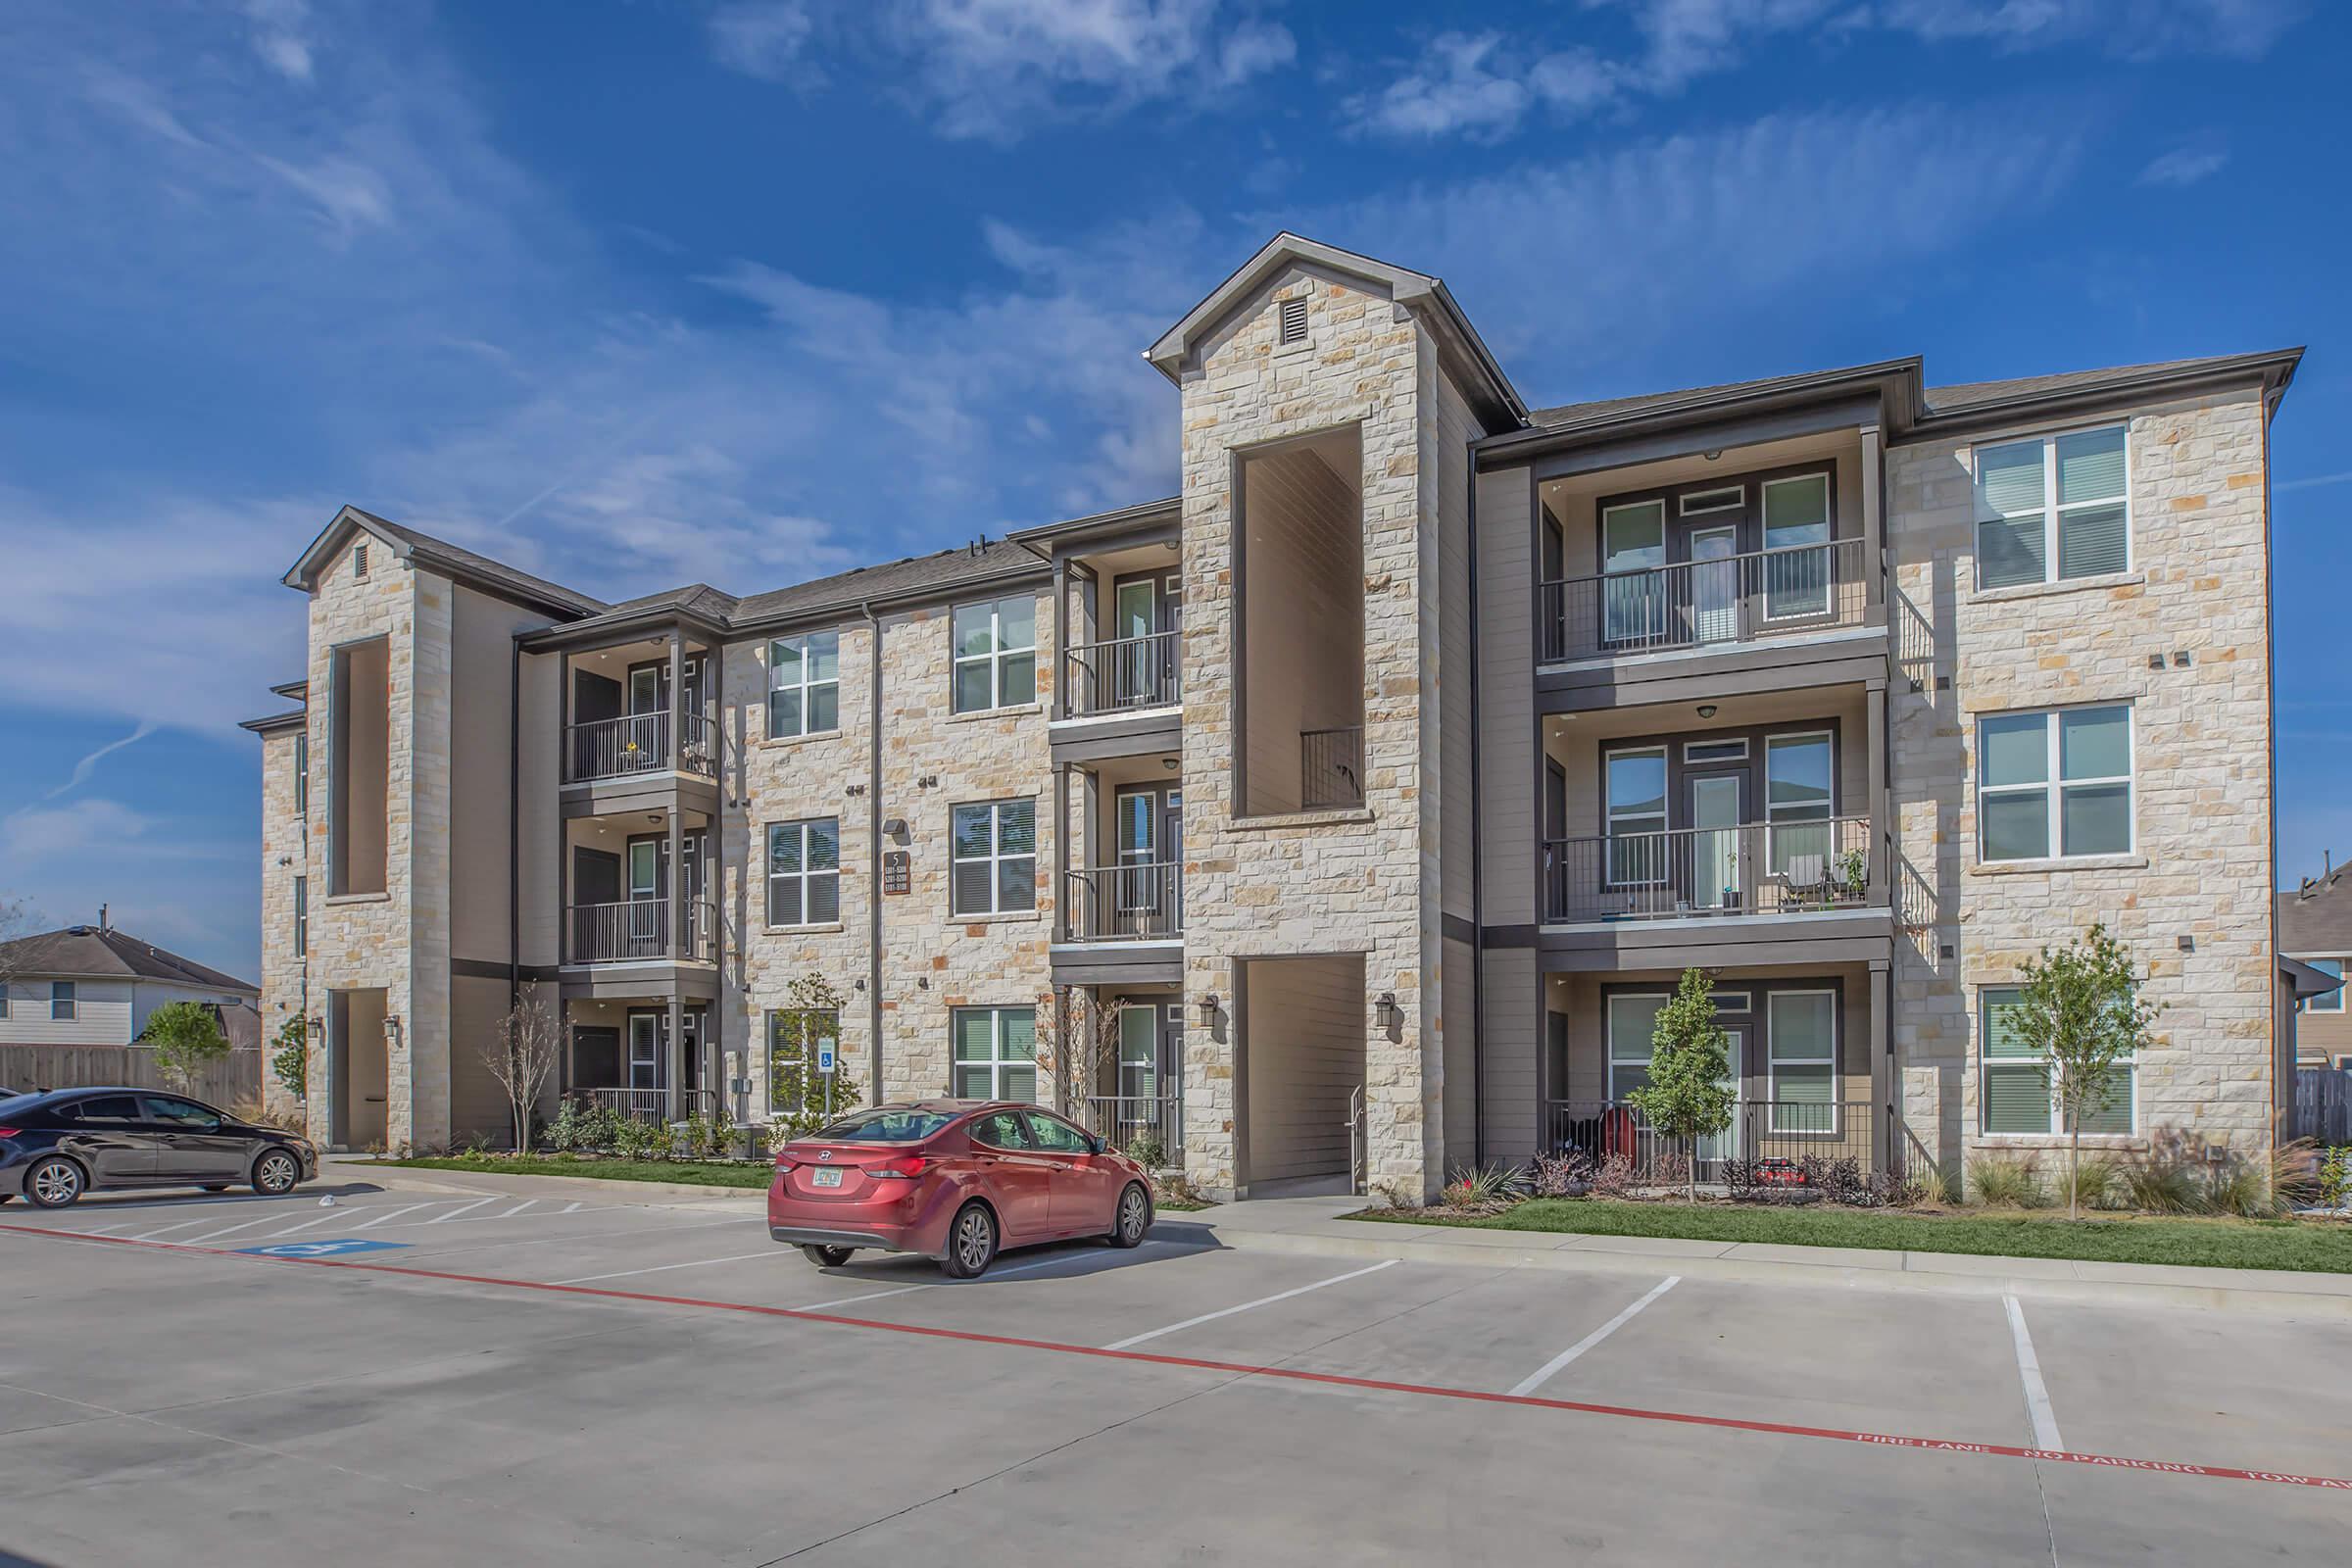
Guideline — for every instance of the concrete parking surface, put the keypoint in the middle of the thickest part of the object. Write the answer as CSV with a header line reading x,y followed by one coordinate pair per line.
x,y
542,1373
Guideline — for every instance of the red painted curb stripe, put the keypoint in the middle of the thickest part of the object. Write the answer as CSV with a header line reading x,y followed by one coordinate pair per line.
x,y
1626,1412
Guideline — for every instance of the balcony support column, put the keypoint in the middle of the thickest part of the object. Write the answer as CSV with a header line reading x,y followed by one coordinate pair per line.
x,y
673,1050
1874,524
675,914
1061,636
1882,1062
1880,836
1065,854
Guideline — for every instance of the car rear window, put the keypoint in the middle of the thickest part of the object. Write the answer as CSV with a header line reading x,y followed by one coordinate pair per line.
x,y
884,1126
18,1106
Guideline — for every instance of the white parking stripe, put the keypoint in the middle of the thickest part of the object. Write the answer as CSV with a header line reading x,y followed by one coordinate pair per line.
x,y
517,1209
454,1212
568,1209
664,1268
1542,1374
199,1241
1263,1300
304,1226
149,1236
405,1208
2029,1373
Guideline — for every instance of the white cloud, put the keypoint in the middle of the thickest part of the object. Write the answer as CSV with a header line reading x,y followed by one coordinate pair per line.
x,y
55,832
989,69
2130,30
89,761
2184,166
279,37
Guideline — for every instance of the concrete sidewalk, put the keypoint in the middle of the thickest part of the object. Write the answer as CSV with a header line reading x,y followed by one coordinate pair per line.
x,y
1313,1225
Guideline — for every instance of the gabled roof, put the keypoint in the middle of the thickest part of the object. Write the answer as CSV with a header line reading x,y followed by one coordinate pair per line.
x,y
101,952
454,562
988,560
1467,358
2316,917
1709,401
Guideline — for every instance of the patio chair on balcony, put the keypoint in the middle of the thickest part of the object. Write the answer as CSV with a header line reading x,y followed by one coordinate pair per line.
x,y
1806,881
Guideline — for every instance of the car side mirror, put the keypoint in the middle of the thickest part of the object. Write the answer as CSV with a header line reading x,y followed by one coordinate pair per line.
x,y
1098,1141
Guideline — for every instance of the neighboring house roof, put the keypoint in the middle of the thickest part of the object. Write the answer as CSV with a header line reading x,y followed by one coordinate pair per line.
x,y
102,953
1472,364
2316,917
454,562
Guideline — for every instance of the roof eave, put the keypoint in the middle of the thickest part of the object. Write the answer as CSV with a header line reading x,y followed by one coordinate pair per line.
x,y
834,611
1041,540
1895,381
2273,368
274,721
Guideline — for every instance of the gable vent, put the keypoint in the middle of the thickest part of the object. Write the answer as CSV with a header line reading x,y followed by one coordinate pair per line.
x,y
359,562
1293,322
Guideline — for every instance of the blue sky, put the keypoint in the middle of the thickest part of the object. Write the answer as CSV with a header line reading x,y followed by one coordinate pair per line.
x,y
637,294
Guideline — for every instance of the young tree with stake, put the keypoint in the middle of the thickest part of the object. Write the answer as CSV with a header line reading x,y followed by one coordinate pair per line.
x,y
2081,1010
522,1056
1689,1096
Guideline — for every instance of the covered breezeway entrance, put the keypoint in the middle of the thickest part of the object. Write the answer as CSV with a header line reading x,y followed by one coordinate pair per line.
x,y
1300,1098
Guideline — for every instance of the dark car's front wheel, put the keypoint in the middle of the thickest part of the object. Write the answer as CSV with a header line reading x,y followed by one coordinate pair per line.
x,y
1135,1216
971,1242
827,1256
54,1183
275,1173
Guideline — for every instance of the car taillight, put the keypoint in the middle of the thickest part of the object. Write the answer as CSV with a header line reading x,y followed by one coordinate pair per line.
x,y
902,1169
8,1132
785,1162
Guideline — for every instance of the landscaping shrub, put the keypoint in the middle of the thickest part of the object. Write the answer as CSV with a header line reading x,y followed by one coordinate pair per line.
x,y
1568,1175
2004,1182
1147,1151
2162,1182
2096,1181
1481,1189
1926,1184
2334,1186
1613,1177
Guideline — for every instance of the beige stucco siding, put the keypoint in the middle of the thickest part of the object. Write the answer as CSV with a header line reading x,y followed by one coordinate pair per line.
x,y
1506,721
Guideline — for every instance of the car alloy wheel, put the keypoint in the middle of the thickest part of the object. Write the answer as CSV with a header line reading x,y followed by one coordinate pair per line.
x,y
1135,1217
971,1242
276,1173
53,1183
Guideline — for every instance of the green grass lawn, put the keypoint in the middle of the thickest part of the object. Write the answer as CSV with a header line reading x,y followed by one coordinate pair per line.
x,y
2322,1246
690,1172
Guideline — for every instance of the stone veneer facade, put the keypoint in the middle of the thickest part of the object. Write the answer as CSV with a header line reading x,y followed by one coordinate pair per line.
x,y
284,994
2201,866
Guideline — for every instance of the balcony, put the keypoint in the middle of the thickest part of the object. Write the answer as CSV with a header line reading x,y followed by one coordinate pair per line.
x,y
1759,868
640,931
632,744
1777,1135
1723,602
652,1107
1331,768
1138,902
1132,1121
1123,675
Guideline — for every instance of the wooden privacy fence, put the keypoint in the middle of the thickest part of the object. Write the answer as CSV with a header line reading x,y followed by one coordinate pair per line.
x,y
2323,1105
232,1081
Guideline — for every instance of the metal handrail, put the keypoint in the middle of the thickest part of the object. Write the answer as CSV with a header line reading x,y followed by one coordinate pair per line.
x,y
1690,604
1120,673
1330,768
654,1105
635,929
1755,869
1782,1129
639,743
1124,1119
1141,901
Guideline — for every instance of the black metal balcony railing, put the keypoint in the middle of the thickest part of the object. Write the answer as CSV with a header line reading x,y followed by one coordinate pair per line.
x,y
1760,868
637,929
1760,1130
1331,768
640,743
1690,604
1139,903
654,1105
1124,672
1128,1120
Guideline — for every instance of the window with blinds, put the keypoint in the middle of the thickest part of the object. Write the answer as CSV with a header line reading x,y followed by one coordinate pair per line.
x,y
2053,507
992,858
2016,1088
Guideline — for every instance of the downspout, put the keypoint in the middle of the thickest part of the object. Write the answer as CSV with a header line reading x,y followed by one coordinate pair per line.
x,y
514,825
874,857
1477,856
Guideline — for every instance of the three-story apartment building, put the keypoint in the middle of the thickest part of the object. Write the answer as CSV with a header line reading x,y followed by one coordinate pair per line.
x,y
1379,783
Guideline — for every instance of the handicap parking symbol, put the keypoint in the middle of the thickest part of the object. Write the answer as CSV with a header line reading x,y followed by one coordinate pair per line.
x,y
322,1248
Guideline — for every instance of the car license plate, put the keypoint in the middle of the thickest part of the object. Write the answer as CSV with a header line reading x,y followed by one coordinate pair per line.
x,y
825,1176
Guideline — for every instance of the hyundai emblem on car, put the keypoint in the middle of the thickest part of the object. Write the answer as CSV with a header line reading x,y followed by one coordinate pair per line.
x,y
825,1153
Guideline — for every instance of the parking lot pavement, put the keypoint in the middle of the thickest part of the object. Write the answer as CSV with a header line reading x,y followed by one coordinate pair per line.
x,y
623,1380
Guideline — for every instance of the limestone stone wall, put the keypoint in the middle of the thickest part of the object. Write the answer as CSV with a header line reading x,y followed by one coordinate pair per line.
x,y
2201,865
283,993
1328,882
386,939
932,760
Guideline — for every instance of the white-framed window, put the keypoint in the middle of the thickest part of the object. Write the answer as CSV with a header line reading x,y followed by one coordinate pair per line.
x,y
2054,785
302,916
2018,1088
62,1001
1796,535
1726,498
1633,544
995,1054
1632,1019
1732,1002
1800,1060
992,858
1800,791
996,654
1634,801
2334,1000
1730,750
2054,507
794,1036
803,872
302,773
803,684
3,997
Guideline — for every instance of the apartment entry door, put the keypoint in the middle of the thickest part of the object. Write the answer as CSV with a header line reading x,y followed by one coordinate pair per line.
x,y
1151,844
1715,583
1142,672
1717,803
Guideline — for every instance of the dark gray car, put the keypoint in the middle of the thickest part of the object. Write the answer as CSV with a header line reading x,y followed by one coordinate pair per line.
x,y
55,1147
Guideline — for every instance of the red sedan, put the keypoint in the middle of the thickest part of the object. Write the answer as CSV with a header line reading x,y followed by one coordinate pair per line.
x,y
957,1180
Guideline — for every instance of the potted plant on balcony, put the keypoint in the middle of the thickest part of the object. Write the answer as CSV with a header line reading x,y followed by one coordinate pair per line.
x,y
1854,875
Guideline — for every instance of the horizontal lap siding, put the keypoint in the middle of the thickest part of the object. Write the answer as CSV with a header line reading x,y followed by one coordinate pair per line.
x,y
1506,699
1514,1033
1308,1018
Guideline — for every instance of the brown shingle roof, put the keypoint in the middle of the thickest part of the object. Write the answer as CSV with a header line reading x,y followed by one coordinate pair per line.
x,y
88,951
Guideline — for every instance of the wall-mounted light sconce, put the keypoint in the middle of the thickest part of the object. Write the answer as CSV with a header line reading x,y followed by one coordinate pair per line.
x,y
1390,1015
1714,452
1208,1009
923,982
392,1029
2188,944
285,859
1707,709
854,789
316,1029
2179,658
894,829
